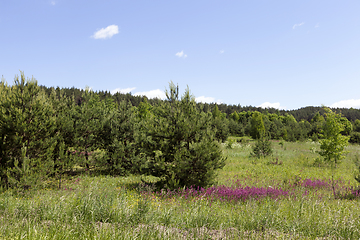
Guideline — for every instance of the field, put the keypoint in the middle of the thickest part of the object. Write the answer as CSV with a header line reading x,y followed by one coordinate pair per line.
x,y
286,196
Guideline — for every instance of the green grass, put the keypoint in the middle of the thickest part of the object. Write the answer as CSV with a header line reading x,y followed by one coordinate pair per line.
x,y
101,207
297,160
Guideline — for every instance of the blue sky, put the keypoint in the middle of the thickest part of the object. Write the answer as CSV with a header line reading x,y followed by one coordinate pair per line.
x,y
284,54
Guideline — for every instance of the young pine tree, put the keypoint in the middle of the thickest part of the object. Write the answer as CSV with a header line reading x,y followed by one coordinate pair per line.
x,y
179,144
27,133
89,119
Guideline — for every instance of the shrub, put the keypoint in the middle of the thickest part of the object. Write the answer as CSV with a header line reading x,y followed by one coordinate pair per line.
x,y
355,137
262,148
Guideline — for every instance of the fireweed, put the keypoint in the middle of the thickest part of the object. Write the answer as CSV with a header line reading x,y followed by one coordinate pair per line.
x,y
241,193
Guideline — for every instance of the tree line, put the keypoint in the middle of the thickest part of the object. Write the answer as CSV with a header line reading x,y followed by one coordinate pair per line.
x,y
291,125
47,132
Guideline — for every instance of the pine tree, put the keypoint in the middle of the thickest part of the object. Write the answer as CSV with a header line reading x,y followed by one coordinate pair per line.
x,y
120,128
220,124
179,144
63,105
27,125
88,122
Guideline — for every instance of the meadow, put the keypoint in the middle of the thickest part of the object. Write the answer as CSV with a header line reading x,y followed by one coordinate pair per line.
x,y
288,195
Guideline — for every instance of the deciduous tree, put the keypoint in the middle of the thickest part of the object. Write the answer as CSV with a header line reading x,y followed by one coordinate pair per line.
x,y
333,143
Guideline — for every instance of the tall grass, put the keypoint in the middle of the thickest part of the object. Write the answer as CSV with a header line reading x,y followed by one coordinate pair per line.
x,y
253,199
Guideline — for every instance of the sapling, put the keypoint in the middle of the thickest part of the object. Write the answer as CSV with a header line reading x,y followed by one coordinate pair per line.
x,y
262,148
333,143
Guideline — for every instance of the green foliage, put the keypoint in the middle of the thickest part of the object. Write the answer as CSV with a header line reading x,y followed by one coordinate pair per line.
x,y
348,128
120,130
220,124
235,116
27,133
89,119
235,128
355,137
262,148
63,107
333,144
356,126
257,126
230,142
179,143
144,109
317,123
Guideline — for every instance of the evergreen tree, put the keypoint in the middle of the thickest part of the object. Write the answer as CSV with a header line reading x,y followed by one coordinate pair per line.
x,y
62,157
89,120
179,144
120,128
27,132
220,124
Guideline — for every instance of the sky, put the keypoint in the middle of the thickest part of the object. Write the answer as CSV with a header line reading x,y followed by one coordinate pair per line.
x,y
281,54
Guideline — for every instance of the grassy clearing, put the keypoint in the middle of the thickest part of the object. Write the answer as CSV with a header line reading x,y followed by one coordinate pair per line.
x,y
100,207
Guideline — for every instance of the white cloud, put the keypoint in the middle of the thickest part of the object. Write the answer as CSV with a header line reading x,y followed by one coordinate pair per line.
x,y
157,93
317,25
271,105
204,99
181,54
298,25
107,32
222,51
53,3
125,90
351,103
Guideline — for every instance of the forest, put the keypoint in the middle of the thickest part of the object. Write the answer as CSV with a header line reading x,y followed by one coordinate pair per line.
x,y
47,131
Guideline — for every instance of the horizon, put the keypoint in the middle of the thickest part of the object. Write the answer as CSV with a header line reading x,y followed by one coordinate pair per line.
x,y
244,106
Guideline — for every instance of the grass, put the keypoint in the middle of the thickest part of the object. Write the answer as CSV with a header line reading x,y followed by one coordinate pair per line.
x,y
102,207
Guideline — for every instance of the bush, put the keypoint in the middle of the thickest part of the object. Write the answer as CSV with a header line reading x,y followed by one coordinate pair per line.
x,y
262,148
355,137
236,129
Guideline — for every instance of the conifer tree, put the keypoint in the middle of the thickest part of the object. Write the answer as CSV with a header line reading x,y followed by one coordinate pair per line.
x,y
179,144
62,157
120,128
89,119
220,124
27,125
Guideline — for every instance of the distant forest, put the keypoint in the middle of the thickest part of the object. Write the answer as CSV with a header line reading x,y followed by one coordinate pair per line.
x,y
305,113
236,120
